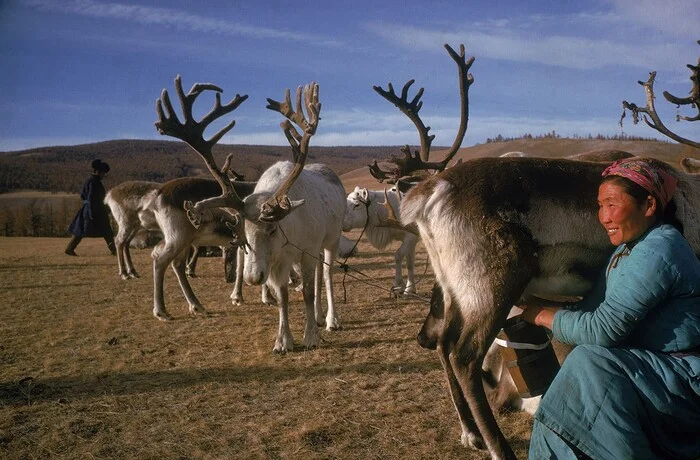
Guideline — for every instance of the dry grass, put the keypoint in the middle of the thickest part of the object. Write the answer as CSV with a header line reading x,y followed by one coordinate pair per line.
x,y
87,372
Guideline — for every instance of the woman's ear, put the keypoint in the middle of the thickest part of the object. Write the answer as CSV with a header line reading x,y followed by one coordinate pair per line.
x,y
651,206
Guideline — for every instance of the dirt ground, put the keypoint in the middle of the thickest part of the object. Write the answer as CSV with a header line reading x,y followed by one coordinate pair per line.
x,y
86,371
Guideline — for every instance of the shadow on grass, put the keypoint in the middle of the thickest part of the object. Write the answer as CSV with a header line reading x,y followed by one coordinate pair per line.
x,y
29,391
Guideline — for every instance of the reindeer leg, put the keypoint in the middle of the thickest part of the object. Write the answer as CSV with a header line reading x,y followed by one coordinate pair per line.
x,y
119,242
310,292
285,340
178,265
237,294
318,305
125,254
191,267
471,437
332,318
162,256
409,248
266,296
398,286
467,367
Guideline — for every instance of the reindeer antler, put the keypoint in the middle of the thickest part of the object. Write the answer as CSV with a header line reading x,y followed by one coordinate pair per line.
x,y
653,120
192,132
279,205
418,160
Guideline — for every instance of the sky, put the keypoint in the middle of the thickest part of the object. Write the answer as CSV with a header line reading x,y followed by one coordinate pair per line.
x,y
82,71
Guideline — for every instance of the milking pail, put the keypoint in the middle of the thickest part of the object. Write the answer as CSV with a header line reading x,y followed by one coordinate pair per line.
x,y
529,357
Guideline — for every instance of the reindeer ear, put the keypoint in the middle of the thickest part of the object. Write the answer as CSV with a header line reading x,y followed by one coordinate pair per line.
x,y
357,189
364,194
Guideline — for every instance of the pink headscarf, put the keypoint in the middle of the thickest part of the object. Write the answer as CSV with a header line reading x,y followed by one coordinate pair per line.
x,y
642,172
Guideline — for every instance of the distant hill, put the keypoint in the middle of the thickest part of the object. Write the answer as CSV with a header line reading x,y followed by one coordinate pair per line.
x,y
545,147
64,168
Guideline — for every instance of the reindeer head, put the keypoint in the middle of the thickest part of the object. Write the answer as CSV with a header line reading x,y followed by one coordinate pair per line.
x,y
265,209
357,209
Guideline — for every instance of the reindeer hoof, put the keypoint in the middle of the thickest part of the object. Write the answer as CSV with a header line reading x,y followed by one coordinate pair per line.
x,y
134,275
125,277
198,310
472,440
163,316
281,350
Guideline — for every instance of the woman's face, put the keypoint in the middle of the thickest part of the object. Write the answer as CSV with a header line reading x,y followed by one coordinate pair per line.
x,y
622,217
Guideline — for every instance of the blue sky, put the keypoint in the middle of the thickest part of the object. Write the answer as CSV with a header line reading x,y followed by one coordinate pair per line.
x,y
80,71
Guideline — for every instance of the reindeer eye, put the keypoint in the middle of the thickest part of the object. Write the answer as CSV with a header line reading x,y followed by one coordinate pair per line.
x,y
272,231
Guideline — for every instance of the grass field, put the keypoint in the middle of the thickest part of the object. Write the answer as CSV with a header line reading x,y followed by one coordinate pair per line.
x,y
86,371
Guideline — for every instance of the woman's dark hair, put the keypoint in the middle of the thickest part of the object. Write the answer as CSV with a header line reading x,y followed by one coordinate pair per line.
x,y
665,214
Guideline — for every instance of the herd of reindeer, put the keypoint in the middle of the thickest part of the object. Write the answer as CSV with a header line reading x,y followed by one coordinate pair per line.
x,y
516,226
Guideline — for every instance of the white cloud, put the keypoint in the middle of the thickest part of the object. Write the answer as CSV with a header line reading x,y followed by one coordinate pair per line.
x,y
182,20
636,33
679,18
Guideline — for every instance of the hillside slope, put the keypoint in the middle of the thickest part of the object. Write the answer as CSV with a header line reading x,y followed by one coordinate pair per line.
x,y
548,148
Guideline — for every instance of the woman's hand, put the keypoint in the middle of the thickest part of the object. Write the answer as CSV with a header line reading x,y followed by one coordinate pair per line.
x,y
539,312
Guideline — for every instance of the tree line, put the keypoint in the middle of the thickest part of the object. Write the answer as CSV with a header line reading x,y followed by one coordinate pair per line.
x,y
554,135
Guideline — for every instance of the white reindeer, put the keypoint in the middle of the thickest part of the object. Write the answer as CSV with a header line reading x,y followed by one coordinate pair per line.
x,y
294,213
366,209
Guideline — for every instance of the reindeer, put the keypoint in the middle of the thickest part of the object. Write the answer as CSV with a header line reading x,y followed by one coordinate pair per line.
x,y
125,201
497,230
294,213
515,227
366,209
166,206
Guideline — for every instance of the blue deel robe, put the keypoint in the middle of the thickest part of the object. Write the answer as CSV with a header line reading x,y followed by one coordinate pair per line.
x,y
92,220
628,390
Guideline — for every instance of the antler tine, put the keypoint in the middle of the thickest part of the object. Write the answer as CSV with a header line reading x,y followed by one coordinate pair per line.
x,y
279,205
192,132
410,109
653,120
419,161
694,99
466,79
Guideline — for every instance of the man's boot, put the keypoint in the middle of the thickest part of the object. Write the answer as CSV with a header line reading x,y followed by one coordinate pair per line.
x,y
112,247
72,244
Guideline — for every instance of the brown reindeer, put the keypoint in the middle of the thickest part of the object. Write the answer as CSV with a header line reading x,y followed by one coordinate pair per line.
x,y
125,202
497,230
166,205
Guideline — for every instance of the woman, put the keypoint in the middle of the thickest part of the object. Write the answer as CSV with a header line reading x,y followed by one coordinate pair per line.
x,y
93,219
631,388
